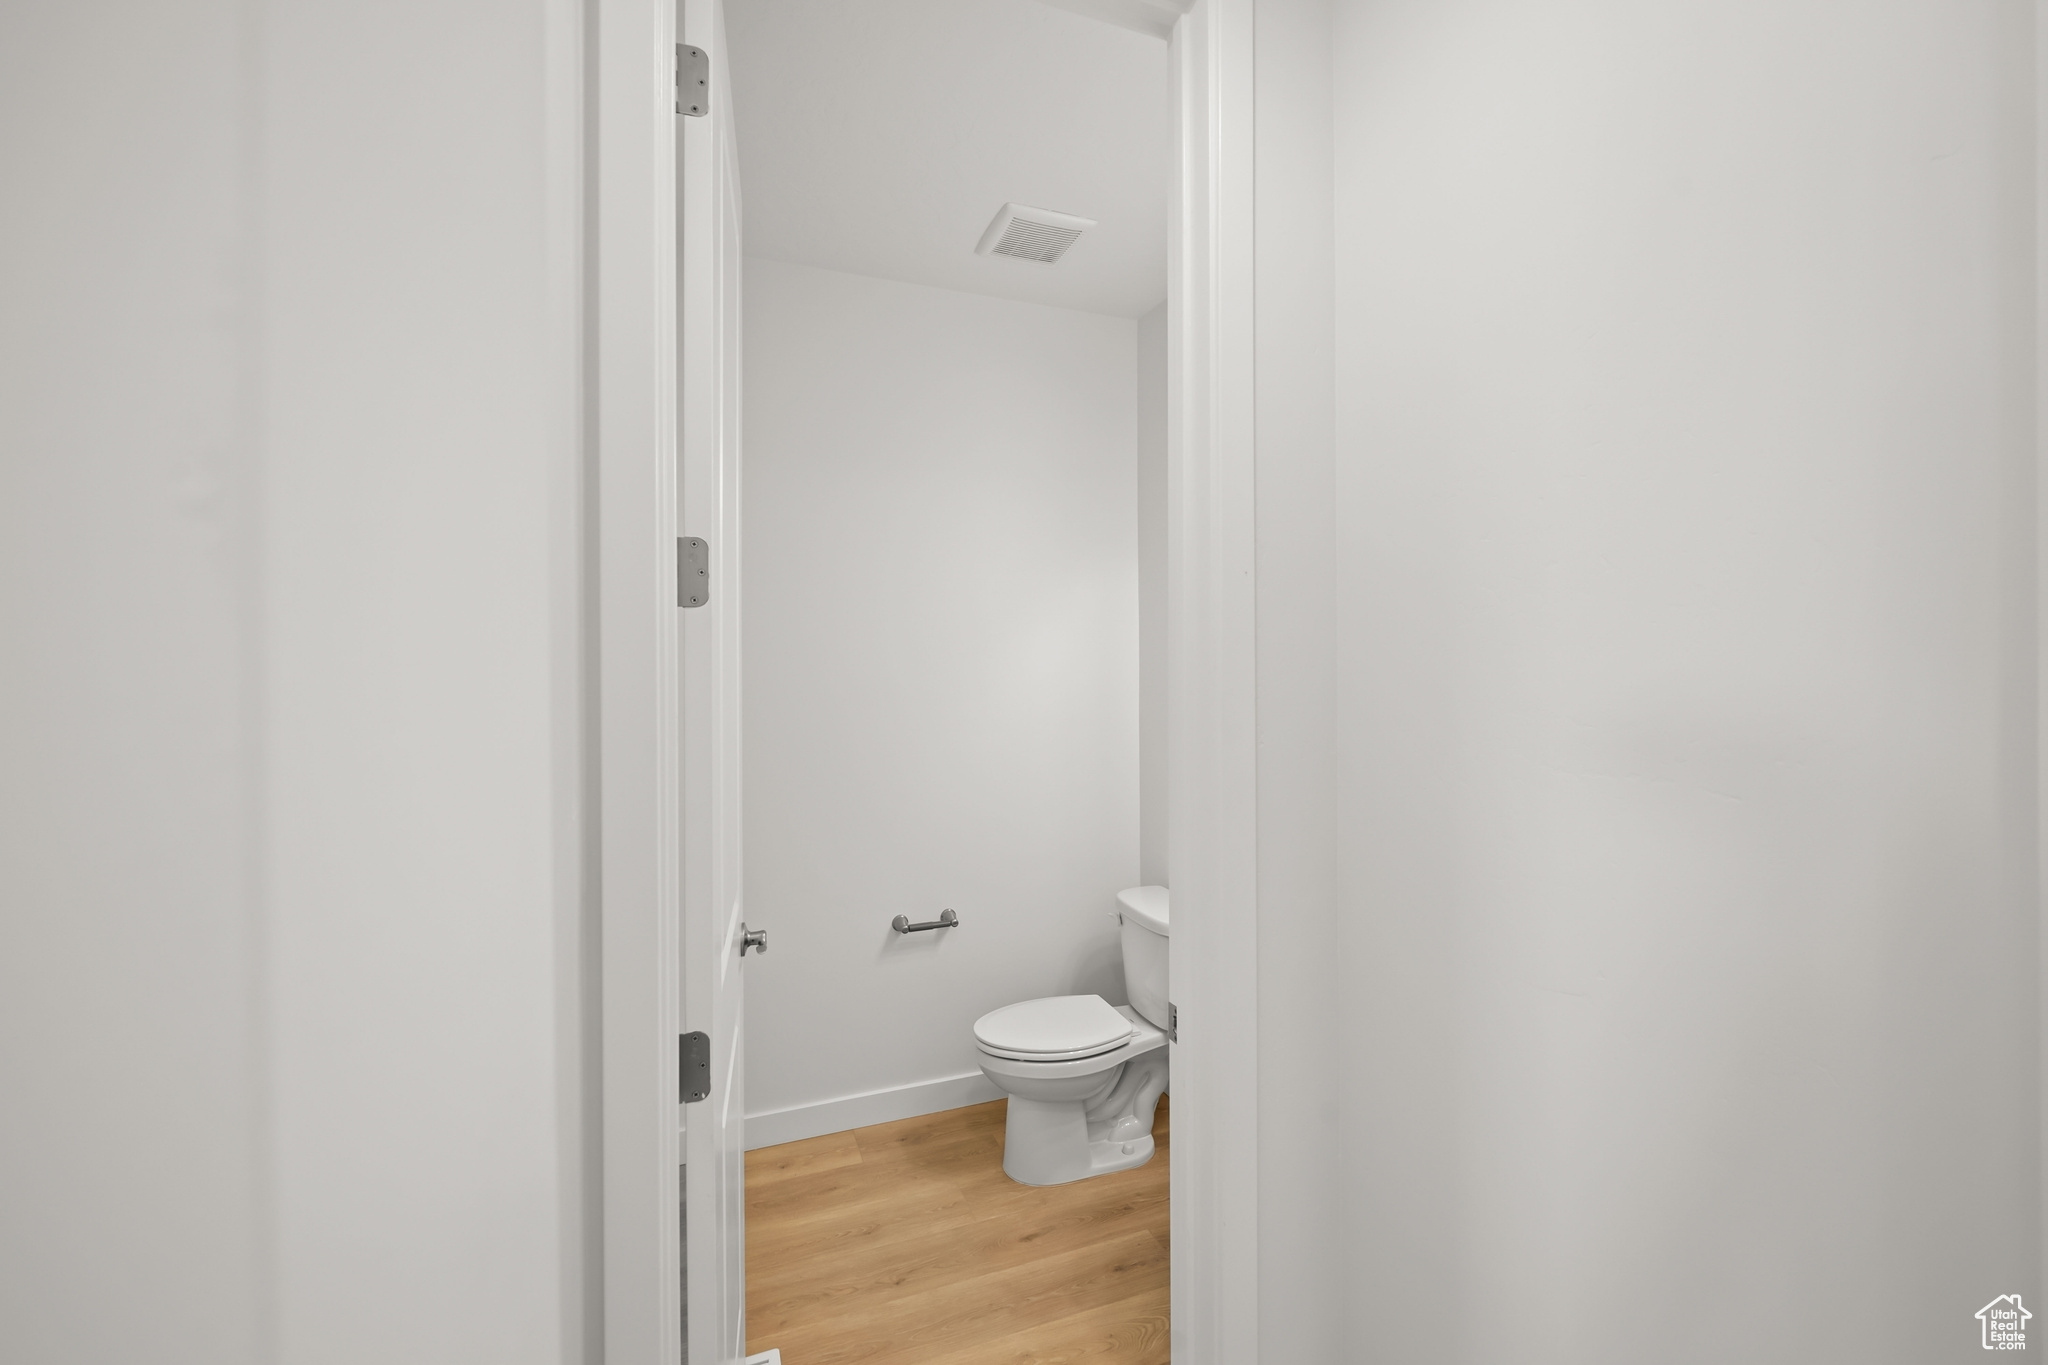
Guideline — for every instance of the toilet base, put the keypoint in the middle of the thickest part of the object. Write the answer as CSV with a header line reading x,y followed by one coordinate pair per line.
x,y
1058,1141
1048,1142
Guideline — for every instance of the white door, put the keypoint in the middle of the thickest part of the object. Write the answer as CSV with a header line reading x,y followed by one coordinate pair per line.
x,y
708,336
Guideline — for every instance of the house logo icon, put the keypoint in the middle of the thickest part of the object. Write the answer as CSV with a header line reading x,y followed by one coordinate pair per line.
x,y
2005,1323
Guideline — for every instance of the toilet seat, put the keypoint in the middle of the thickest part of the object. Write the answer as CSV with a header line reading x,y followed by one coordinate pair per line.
x,y
1144,1038
1057,1028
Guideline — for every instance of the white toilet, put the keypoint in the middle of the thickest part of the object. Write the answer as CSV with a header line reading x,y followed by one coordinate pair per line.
x,y
1084,1076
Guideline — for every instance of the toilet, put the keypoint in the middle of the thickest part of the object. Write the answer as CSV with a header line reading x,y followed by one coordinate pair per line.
x,y
1084,1076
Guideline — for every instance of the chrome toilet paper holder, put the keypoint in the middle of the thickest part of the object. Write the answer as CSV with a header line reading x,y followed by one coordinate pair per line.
x,y
946,920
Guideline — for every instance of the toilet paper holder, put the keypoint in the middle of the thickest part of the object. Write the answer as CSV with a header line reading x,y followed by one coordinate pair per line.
x,y
946,920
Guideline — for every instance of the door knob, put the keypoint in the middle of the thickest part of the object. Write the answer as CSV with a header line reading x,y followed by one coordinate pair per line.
x,y
757,939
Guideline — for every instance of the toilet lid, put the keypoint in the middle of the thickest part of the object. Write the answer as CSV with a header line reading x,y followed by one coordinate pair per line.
x,y
1146,905
1058,1028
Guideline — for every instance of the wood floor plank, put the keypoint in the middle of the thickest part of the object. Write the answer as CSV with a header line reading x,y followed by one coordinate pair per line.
x,y
915,1326
907,1137
901,1254
1134,1331
851,1207
905,1244
772,1165
790,1208
870,1211
885,1274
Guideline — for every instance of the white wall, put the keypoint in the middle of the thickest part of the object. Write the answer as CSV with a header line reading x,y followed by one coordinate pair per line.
x,y
1685,524
419,482
1303,989
288,840
941,683
133,1191
1151,418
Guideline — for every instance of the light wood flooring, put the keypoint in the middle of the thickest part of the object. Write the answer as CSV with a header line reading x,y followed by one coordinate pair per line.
x,y
905,1244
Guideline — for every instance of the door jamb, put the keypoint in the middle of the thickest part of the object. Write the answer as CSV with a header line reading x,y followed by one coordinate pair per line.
x,y
1212,760
634,287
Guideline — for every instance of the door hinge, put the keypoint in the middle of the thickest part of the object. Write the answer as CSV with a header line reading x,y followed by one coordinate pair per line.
x,y
693,572
1172,1022
696,1066
693,80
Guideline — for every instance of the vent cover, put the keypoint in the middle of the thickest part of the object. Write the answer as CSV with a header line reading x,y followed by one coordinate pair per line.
x,y
1032,234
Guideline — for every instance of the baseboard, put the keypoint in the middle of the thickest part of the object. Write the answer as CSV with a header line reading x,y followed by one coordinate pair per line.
x,y
876,1106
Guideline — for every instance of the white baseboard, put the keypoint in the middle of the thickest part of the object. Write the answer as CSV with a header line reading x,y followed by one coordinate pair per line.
x,y
876,1106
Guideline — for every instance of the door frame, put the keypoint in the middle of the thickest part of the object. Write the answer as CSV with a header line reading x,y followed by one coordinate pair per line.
x,y
631,277
1212,756
707,498
1212,727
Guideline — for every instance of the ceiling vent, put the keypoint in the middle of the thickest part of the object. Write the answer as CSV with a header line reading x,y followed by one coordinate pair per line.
x,y
1032,234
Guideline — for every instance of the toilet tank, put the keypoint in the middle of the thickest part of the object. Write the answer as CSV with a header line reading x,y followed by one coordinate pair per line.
x,y
1142,911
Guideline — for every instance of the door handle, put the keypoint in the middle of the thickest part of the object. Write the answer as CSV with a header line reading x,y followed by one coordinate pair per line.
x,y
757,939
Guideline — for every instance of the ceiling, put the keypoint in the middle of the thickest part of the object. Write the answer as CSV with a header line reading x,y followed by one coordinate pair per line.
x,y
880,137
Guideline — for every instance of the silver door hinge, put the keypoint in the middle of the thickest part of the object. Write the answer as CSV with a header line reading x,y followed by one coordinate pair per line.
x,y
693,80
1172,1022
693,572
695,1056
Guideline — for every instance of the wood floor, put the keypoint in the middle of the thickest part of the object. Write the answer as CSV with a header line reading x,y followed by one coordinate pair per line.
x,y
905,1244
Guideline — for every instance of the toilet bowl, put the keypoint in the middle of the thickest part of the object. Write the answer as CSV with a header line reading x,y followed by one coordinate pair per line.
x,y
1084,1076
